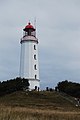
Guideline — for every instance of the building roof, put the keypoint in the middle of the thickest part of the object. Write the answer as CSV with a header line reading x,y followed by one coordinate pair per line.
x,y
29,26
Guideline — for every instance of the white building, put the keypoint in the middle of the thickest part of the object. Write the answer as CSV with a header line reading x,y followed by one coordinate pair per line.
x,y
29,67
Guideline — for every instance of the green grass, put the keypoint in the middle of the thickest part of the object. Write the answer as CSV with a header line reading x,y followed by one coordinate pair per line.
x,y
38,106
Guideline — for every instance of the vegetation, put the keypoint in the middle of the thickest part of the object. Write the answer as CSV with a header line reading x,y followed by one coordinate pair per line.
x,y
69,88
21,113
13,85
41,99
16,104
34,105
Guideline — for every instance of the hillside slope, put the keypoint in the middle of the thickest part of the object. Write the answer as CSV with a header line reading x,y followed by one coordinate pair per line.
x,y
42,100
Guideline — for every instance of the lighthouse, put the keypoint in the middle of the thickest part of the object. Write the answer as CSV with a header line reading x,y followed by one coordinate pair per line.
x,y
29,67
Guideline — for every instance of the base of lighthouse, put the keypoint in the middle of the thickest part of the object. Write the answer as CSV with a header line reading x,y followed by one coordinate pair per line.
x,y
34,84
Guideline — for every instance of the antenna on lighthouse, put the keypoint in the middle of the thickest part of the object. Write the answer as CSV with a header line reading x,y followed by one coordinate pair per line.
x,y
29,20
35,24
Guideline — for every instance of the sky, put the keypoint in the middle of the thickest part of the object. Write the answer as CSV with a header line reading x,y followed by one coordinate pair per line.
x,y
58,32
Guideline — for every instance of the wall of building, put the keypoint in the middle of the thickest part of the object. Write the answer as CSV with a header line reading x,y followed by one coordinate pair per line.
x,y
34,83
29,67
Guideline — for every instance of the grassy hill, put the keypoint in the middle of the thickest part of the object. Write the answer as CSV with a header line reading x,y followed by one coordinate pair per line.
x,y
41,99
38,106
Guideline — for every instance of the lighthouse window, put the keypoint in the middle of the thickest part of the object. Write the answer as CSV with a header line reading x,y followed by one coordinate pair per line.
x,y
35,76
34,47
35,67
35,57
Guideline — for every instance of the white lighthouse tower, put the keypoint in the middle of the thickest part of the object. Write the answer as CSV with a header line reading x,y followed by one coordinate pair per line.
x,y
29,67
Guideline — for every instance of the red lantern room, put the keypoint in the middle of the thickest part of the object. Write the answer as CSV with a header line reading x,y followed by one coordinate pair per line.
x,y
29,30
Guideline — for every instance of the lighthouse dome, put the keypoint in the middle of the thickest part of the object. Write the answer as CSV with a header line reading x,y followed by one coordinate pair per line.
x,y
29,26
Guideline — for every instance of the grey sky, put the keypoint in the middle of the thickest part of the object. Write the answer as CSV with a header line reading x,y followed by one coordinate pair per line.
x,y
58,31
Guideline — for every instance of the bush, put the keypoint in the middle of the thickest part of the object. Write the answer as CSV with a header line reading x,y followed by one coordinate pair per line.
x,y
13,85
70,88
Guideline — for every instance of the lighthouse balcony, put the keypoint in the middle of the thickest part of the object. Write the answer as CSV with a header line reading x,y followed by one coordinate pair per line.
x,y
29,38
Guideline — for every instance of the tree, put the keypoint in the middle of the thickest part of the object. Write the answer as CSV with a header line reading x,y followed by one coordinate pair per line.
x,y
70,88
13,85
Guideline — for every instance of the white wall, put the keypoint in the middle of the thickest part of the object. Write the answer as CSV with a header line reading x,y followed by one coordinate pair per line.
x,y
27,61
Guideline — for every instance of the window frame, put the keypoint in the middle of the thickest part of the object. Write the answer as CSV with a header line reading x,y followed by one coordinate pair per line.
x,y
35,67
35,76
35,57
34,47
